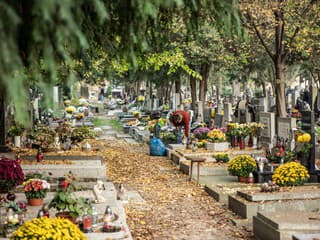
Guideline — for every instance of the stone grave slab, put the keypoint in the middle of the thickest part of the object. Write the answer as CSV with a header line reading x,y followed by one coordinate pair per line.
x,y
283,201
106,128
130,140
120,135
107,138
59,165
302,192
184,166
307,236
176,146
283,225
220,192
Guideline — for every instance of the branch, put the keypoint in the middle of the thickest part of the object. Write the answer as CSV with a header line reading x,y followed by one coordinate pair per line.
x,y
260,36
302,15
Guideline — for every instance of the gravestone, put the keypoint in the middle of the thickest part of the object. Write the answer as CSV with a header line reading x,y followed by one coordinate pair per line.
x,y
271,102
207,116
56,94
227,108
218,120
236,89
155,104
285,128
200,111
268,132
307,124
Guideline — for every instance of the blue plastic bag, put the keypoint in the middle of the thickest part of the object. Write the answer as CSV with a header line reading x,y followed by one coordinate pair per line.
x,y
157,148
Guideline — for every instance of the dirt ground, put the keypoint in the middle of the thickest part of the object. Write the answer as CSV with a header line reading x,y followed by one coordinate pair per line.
x,y
174,208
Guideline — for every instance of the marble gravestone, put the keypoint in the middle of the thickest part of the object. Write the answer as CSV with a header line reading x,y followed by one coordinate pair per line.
x,y
286,126
268,132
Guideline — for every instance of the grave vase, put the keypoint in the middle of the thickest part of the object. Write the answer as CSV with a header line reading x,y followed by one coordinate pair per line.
x,y
35,201
17,141
250,141
233,141
242,144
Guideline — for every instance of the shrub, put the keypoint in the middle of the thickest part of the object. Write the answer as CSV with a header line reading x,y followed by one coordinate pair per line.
x,y
48,228
290,174
242,165
221,157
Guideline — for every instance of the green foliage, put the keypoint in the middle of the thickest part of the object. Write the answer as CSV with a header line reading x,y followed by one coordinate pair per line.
x,y
81,133
65,199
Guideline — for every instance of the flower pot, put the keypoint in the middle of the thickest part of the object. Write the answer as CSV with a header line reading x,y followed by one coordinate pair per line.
x,y
242,179
35,201
66,215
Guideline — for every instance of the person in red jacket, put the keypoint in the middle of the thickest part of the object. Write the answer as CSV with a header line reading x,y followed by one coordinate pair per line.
x,y
181,118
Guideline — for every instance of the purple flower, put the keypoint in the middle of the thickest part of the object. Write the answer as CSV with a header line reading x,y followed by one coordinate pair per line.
x,y
201,132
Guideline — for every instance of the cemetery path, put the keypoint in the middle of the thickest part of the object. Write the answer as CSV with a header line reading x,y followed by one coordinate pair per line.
x,y
172,207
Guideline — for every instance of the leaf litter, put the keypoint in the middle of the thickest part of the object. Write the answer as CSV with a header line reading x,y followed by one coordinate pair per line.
x,y
177,208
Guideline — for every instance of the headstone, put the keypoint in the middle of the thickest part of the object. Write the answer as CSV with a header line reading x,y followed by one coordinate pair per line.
x,y
207,116
36,108
307,124
227,109
294,97
155,104
56,94
271,102
200,112
235,89
268,132
84,91
285,127
218,120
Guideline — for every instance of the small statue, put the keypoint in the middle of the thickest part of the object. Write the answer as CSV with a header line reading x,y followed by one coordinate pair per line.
x,y
97,191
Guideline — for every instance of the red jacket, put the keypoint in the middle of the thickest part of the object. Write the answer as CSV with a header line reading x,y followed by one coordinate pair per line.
x,y
185,121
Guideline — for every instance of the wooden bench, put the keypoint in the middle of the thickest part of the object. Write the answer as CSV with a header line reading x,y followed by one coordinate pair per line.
x,y
197,160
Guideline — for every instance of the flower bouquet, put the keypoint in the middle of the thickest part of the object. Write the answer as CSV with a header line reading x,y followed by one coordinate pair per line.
x,y
290,174
242,166
11,174
36,188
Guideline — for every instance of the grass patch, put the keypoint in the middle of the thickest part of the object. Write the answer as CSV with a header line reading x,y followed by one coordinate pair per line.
x,y
114,123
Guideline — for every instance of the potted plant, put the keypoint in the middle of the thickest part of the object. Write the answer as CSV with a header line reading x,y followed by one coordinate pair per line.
x,y
216,140
242,166
221,157
15,131
11,174
201,133
68,204
35,191
290,174
48,228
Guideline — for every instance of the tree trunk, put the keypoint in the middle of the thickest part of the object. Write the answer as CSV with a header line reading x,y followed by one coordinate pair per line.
x,y
280,88
193,89
203,83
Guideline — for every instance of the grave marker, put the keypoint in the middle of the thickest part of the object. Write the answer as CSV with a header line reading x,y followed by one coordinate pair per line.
x,y
218,120
285,126
267,134
227,108
207,116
